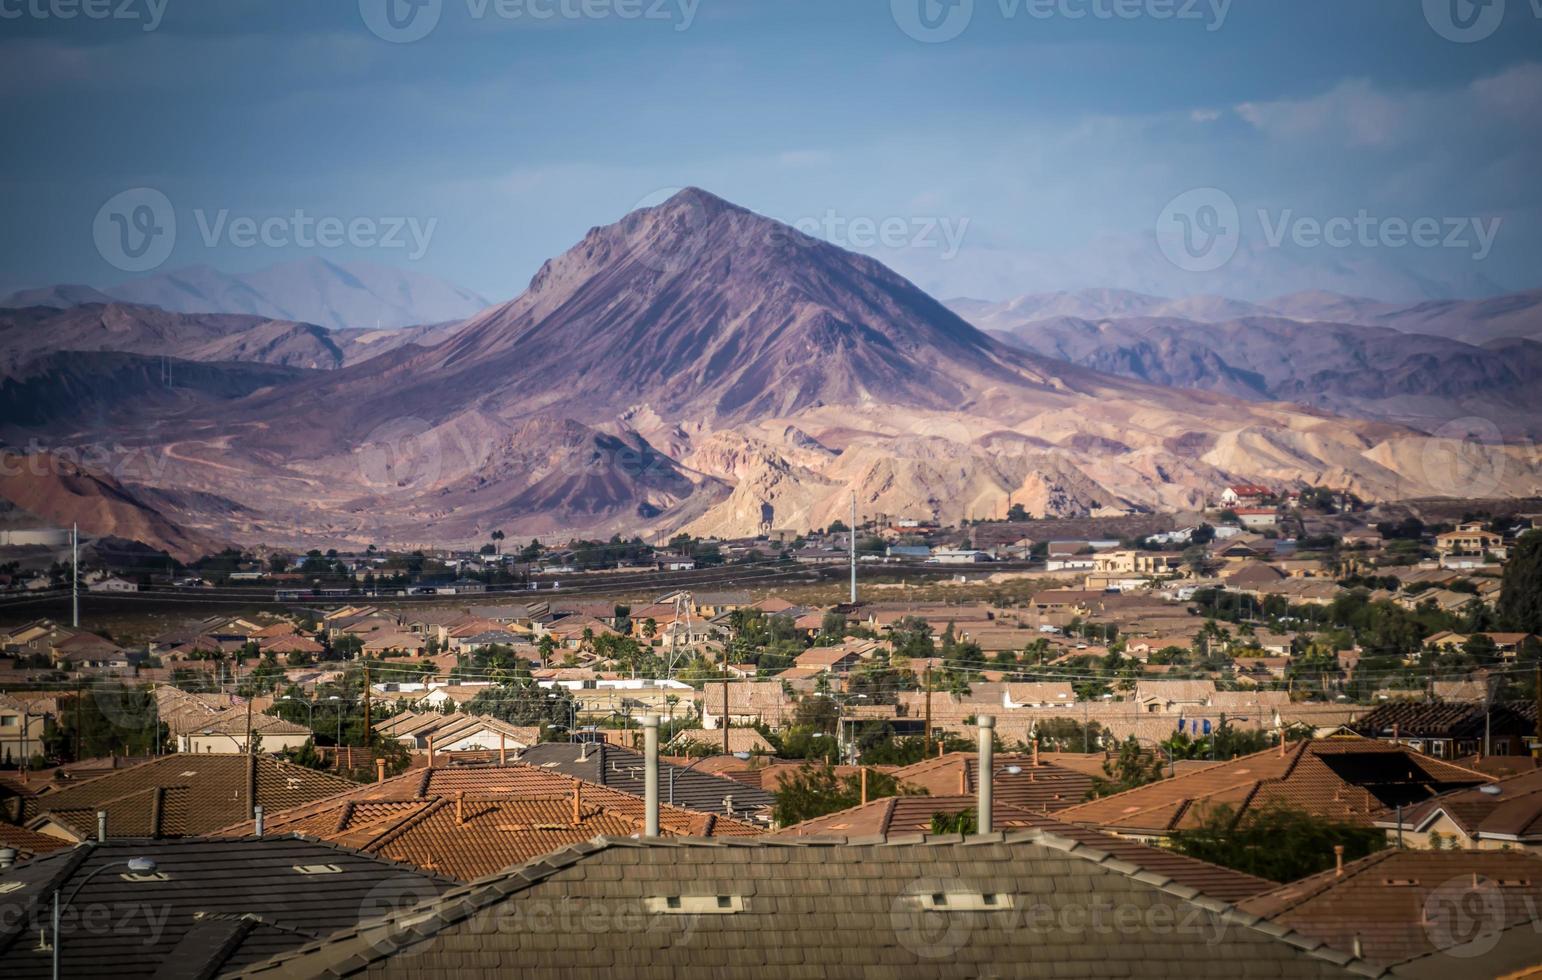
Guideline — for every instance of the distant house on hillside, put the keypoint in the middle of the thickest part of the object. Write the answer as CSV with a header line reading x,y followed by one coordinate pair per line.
x,y
1245,495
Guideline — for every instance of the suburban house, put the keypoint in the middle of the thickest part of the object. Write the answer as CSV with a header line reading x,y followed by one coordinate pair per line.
x,y
1469,538
1245,495
1257,517
1164,697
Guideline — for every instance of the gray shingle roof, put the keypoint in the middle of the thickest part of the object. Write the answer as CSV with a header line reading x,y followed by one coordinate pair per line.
x,y
1024,904
621,769
222,904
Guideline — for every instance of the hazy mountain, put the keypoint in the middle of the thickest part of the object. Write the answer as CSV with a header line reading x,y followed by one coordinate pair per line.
x,y
1367,372
335,295
1475,321
151,331
58,297
1094,304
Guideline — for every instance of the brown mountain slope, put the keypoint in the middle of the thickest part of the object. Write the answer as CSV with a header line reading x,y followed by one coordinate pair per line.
x,y
62,492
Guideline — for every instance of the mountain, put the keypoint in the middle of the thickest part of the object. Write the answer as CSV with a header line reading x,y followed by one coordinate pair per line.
x,y
58,297
1366,372
335,295
1474,321
149,330
1095,304
62,492
698,366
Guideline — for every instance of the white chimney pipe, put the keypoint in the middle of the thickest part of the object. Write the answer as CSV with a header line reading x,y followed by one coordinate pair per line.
x,y
651,780
101,826
257,816
987,726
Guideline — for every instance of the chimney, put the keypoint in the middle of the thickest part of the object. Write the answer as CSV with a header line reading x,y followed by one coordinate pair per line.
x,y
1035,753
1359,948
651,782
101,826
431,752
578,802
963,778
379,770
987,726
864,785
259,822
503,749
7,857
460,807
1338,860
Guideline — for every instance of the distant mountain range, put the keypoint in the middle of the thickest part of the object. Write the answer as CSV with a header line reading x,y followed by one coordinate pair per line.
x,y
699,366
335,295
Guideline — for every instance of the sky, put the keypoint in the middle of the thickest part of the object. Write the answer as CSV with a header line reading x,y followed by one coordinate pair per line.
x,y
984,148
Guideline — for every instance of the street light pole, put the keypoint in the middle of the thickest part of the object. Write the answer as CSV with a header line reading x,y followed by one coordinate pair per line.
x,y
136,865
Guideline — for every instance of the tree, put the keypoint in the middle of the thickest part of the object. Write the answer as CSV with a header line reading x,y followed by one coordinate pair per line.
x,y
1520,595
1274,842
1133,766
962,822
1018,514
814,791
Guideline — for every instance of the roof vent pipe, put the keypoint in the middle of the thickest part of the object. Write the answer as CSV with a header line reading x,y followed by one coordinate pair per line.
x,y
987,725
101,826
651,777
259,821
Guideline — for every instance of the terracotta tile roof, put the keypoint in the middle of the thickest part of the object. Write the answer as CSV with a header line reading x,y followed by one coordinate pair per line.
x,y
508,814
1399,903
1011,904
1512,814
223,904
1044,788
1347,779
913,815
27,843
180,795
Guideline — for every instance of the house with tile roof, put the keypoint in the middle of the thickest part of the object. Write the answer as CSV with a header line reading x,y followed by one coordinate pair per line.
x,y
1013,903
1036,786
1452,729
691,740
467,821
622,769
177,796
1394,905
1351,780
1506,814
895,815
207,907
229,730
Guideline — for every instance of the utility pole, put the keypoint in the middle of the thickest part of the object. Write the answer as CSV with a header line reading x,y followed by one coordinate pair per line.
x,y
75,576
249,748
1536,752
853,536
926,752
725,701
366,704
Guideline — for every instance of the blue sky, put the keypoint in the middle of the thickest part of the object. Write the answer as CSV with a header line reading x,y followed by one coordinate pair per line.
x,y
1037,149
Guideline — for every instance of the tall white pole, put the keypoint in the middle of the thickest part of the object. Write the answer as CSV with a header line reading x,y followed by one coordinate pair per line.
x,y
75,575
651,775
853,547
987,726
